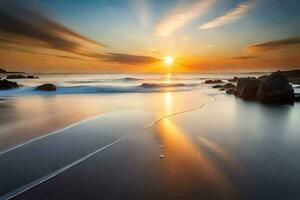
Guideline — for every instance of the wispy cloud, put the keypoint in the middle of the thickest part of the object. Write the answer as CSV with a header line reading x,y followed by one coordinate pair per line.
x,y
182,15
274,45
128,58
230,17
21,26
140,7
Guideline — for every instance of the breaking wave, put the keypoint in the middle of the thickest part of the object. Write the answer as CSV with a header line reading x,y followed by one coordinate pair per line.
x,y
84,89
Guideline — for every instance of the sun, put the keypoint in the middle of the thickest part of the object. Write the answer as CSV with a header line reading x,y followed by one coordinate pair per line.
x,y
168,60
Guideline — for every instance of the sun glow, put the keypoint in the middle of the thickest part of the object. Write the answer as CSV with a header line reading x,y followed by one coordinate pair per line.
x,y
169,60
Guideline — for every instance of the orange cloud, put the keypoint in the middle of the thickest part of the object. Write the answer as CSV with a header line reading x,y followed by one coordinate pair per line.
x,y
128,58
274,45
243,57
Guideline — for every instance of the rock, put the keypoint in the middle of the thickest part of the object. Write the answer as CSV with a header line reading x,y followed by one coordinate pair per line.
x,y
247,88
3,71
216,81
291,73
19,76
297,97
15,76
263,78
229,86
275,89
235,79
217,86
32,77
230,91
46,87
221,89
5,84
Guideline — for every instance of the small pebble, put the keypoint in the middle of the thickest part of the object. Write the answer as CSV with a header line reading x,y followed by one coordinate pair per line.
x,y
162,156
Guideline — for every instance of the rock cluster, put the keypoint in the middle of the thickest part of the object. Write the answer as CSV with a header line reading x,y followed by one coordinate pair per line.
x,y
213,81
2,71
19,76
6,85
274,89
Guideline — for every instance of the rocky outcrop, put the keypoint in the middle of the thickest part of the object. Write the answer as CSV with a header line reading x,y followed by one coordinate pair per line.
x,y
275,89
19,76
297,97
213,81
6,85
247,88
15,76
32,77
234,79
46,87
229,86
230,91
217,86
2,71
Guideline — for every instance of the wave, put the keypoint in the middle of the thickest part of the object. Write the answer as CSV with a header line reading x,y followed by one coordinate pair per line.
x,y
166,85
84,89
103,80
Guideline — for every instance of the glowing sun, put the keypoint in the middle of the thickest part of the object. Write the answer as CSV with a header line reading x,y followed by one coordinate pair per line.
x,y
168,60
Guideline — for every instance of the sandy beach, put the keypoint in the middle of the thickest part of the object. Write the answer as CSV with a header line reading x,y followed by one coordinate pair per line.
x,y
192,144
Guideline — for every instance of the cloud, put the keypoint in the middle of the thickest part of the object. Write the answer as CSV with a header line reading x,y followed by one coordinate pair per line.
x,y
25,27
243,57
39,53
140,7
229,17
182,15
274,45
128,58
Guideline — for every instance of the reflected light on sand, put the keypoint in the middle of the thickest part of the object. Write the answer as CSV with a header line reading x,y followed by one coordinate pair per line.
x,y
184,164
218,150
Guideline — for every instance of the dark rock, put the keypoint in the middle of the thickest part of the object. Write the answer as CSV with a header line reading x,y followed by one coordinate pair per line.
x,y
291,73
46,87
229,86
3,71
263,78
275,89
235,79
247,88
297,97
230,91
5,84
222,89
32,77
15,76
211,81
217,86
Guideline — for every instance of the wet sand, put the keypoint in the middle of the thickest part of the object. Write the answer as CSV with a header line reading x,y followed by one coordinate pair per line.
x,y
213,147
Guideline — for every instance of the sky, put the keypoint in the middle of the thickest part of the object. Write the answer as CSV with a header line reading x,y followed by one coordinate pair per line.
x,y
134,36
